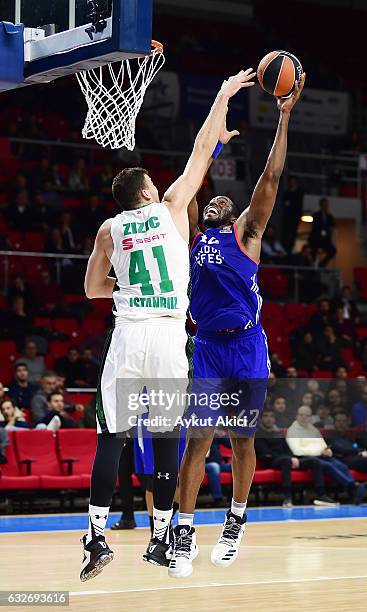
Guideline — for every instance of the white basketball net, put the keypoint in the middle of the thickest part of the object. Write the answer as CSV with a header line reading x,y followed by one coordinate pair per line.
x,y
114,95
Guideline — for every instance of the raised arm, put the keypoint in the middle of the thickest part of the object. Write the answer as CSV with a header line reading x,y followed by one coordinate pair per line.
x,y
97,283
253,221
181,193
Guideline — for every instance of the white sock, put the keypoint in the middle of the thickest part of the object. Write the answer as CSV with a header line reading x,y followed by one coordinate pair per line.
x,y
97,521
185,519
161,520
238,508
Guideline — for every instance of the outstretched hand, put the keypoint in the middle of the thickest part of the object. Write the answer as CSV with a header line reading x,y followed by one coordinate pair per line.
x,y
238,81
286,105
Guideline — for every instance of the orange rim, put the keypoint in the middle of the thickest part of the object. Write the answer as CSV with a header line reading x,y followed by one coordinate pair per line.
x,y
157,47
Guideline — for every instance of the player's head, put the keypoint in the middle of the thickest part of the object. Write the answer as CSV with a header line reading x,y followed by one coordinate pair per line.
x,y
219,212
133,187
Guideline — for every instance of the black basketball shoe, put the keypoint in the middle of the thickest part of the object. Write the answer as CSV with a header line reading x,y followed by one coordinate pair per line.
x,y
96,555
158,552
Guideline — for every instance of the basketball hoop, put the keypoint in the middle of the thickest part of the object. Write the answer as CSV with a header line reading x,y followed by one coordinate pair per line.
x,y
114,94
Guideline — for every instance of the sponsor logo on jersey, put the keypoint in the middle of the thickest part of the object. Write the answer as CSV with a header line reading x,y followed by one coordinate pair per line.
x,y
210,255
130,243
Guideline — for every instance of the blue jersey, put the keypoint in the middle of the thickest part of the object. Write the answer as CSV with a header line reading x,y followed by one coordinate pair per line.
x,y
224,293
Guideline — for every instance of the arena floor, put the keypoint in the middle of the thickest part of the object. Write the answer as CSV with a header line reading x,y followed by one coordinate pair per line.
x,y
304,559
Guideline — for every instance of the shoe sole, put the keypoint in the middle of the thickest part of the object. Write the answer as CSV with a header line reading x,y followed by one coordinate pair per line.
x,y
98,568
318,502
153,561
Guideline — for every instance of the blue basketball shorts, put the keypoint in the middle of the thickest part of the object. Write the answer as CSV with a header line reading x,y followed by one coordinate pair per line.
x,y
231,372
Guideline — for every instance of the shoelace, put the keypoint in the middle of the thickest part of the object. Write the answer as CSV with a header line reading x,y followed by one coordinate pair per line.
x,y
183,545
230,533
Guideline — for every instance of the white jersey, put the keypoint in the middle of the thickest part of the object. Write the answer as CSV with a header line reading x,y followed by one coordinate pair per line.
x,y
151,263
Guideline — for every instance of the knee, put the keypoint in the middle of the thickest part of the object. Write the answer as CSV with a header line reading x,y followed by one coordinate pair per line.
x,y
196,450
243,448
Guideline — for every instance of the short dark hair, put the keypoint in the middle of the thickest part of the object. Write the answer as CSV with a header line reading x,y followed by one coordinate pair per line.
x,y
21,364
126,187
53,393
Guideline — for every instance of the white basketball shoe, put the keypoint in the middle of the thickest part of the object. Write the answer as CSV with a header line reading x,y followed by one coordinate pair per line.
x,y
185,551
226,550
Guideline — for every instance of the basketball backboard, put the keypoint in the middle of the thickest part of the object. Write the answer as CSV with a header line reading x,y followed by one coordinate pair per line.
x,y
67,36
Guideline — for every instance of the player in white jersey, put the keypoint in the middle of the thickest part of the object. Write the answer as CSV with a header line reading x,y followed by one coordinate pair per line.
x,y
147,245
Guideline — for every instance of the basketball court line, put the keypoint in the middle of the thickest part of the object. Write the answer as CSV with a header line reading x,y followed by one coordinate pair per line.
x,y
255,546
215,585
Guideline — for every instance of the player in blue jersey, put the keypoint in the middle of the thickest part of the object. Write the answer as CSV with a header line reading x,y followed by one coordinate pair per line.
x,y
231,363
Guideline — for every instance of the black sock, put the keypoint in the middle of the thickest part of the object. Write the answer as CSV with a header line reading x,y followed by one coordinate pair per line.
x,y
175,507
151,523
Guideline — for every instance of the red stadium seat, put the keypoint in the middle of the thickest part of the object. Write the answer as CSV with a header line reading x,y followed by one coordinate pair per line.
x,y
36,452
10,474
322,374
82,398
76,450
274,282
360,279
43,322
71,328
74,298
35,241
295,315
362,332
59,348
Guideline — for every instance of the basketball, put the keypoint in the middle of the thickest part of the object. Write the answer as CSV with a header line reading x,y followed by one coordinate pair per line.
x,y
277,73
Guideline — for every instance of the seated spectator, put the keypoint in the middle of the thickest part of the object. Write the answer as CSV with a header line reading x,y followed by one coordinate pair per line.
x,y
4,442
20,215
292,389
21,390
321,236
88,419
323,419
34,362
70,405
344,328
344,447
214,466
313,386
42,173
320,319
57,408
277,365
56,178
54,242
91,367
102,181
274,453
329,347
307,399
305,440
350,308
272,251
17,323
283,418
72,368
359,410
67,234
48,297
335,402
78,180
39,403
19,288
13,417
306,352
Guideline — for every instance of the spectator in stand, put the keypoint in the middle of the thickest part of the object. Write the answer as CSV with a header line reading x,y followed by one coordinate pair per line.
x,y
56,178
272,251
57,408
329,347
335,402
43,216
305,354
277,365
344,328
20,216
359,410
94,215
48,296
4,441
307,399
19,288
78,180
274,453
350,308
67,234
42,173
102,181
292,208
323,419
305,440
18,323
344,447
291,388
72,368
320,319
13,417
39,403
34,362
54,241
21,390
321,236
214,466
91,367
283,418
53,199
310,287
